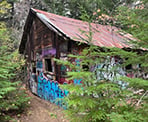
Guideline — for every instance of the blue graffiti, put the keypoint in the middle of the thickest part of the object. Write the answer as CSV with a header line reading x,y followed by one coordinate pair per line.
x,y
77,81
77,62
39,64
50,90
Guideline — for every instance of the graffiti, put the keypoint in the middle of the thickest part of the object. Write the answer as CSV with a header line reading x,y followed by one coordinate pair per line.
x,y
50,90
63,68
39,66
77,81
109,70
32,83
62,80
135,71
77,62
48,51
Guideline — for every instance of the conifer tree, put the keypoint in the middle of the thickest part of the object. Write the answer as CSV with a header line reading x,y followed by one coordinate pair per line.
x,y
100,97
11,97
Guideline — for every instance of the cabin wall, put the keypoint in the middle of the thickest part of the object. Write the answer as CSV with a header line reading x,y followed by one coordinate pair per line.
x,y
67,47
39,47
44,75
39,43
38,38
43,45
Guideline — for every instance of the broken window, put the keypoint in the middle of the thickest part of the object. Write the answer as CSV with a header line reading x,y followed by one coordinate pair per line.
x,y
48,65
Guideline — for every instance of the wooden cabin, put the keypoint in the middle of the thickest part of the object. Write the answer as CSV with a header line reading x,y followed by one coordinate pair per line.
x,y
47,36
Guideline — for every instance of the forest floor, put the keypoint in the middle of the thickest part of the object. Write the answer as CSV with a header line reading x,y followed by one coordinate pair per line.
x,y
40,110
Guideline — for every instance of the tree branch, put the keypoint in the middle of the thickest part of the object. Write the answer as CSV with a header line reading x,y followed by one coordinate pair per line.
x,y
141,98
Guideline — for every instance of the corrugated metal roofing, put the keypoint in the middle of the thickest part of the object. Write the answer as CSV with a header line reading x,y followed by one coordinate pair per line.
x,y
103,35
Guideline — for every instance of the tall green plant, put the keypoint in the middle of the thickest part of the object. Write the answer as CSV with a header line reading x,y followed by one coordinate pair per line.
x,y
12,98
97,98
100,98
135,22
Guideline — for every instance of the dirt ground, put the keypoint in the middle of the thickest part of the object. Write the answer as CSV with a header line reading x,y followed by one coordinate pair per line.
x,y
42,111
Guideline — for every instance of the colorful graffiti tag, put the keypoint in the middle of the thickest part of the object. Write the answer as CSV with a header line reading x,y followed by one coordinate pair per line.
x,y
108,71
39,65
32,83
50,90
48,51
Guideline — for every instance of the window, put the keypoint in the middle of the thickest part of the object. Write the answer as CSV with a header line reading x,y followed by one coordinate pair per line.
x,y
48,65
85,67
34,69
128,67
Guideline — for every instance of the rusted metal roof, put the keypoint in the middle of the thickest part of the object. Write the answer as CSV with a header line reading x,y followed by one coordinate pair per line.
x,y
77,30
103,35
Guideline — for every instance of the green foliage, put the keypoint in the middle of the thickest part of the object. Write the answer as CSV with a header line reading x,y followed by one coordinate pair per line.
x,y
74,8
131,115
135,21
137,83
5,9
102,100
12,98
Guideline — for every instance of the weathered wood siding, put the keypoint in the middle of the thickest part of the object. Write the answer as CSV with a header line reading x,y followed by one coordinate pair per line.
x,y
39,37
